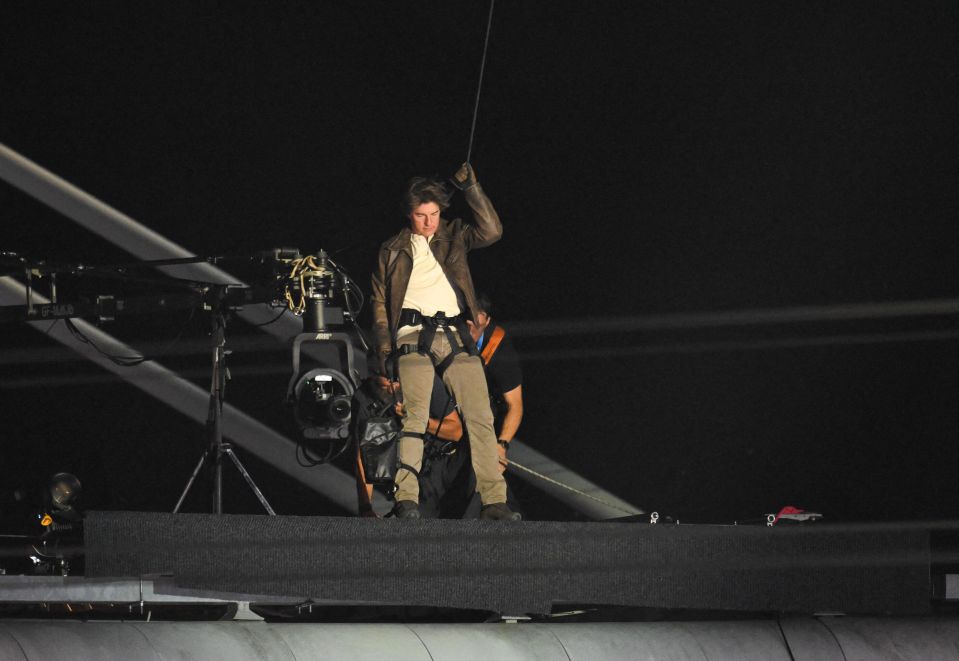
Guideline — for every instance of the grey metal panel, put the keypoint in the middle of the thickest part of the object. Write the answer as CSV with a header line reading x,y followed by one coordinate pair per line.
x,y
952,586
193,402
78,589
164,590
28,589
673,641
239,641
79,641
810,640
482,642
759,639
10,649
919,639
214,641
902,639
357,642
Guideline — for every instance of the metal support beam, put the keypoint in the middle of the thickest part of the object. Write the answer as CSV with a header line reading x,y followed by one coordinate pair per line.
x,y
565,485
799,314
123,231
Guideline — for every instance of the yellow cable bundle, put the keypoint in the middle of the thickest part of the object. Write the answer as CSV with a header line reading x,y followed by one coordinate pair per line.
x,y
301,269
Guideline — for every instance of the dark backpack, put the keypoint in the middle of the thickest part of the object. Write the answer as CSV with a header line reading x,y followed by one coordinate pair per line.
x,y
376,429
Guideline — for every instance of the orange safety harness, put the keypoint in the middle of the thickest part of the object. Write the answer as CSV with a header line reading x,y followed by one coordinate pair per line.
x,y
490,347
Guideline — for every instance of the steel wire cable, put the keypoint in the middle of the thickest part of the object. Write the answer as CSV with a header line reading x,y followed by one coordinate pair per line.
x,y
479,85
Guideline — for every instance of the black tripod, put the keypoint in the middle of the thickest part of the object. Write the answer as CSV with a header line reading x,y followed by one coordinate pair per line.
x,y
216,448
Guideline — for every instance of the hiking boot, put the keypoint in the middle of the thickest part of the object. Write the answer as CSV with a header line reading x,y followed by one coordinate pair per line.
x,y
499,512
407,509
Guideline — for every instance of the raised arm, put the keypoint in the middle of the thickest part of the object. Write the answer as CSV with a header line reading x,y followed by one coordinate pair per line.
x,y
486,228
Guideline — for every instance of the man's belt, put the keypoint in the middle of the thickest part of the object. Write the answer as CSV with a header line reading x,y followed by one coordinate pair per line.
x,y
411,317
465,344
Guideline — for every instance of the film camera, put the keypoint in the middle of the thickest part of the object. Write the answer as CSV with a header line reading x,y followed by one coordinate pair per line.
x,y
329,356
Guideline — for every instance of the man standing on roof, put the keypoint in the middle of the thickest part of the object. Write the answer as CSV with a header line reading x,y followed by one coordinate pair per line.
x,y
422,297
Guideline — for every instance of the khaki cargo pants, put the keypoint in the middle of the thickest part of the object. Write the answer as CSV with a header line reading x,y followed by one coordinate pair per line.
x,y
467,381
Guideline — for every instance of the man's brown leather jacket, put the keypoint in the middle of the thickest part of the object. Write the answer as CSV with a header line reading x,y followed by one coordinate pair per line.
x,y
450,243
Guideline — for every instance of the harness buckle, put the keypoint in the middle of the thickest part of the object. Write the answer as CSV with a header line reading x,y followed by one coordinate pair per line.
x,y
439,320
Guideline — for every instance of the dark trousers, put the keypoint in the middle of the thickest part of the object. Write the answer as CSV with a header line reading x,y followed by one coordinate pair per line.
x,y
448,486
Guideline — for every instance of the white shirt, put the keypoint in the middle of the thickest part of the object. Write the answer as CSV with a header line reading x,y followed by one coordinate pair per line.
x,y
428,291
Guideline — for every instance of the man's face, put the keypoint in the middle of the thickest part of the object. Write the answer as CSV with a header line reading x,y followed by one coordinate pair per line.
x,y
425,218
477,329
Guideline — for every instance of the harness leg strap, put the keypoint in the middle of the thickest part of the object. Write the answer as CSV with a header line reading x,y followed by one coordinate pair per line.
x,y
425,345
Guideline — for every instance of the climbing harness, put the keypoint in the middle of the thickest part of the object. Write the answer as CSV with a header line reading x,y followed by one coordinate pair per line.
x,y
460,342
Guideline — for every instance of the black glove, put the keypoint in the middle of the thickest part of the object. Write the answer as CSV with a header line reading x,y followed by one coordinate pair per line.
x,y
465,177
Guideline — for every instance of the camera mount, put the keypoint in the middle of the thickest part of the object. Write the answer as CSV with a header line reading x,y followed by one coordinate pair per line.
x,y
317,289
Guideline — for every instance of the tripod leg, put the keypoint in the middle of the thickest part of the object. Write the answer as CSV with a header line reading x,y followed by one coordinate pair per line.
x,y
249,480
189,484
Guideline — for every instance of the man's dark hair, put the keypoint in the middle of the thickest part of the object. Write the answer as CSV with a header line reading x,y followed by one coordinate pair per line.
x,y
483,304
422,190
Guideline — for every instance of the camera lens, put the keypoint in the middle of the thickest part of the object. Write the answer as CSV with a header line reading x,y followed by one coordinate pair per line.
x,y
340,409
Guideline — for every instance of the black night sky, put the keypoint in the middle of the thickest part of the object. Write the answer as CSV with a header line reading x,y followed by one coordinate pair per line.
x,y
646,158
